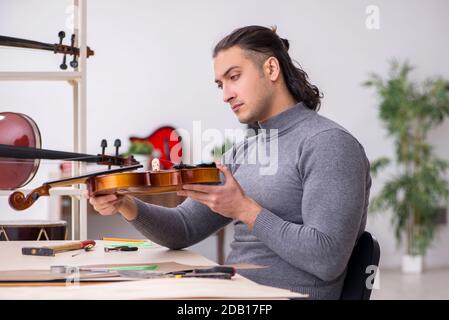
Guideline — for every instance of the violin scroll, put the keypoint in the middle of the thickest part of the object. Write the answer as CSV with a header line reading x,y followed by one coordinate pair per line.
x,y
18,201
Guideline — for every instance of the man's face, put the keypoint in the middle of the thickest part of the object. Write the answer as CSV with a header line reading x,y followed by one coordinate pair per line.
x,y
245,86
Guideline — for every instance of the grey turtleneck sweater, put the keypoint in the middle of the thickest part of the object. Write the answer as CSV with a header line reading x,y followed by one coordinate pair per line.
x,y
314,194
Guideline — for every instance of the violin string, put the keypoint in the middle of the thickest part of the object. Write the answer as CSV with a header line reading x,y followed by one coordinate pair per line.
x,y
65,177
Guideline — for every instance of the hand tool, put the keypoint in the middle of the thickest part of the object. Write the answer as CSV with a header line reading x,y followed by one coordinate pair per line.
x,y
120,248
52,250
218,272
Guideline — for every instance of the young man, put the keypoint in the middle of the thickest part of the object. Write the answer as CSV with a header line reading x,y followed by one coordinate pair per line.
x,y
301,221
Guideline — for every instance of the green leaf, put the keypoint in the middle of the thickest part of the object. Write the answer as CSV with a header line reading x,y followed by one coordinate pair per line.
x,y
378,164
140,148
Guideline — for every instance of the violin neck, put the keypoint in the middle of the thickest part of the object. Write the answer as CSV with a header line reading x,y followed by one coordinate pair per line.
x,y
17,152
23,43
84,178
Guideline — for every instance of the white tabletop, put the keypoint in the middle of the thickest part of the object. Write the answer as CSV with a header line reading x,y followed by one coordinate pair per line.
x,y
11,258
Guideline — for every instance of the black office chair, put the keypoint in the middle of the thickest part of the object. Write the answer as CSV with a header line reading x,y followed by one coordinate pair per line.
x,y
366,253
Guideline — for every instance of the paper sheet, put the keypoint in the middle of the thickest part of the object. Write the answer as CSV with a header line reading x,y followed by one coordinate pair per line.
x,y
47,275
171,266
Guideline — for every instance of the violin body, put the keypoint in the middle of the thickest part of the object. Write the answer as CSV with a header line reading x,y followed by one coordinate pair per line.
x,y
151,182
19,130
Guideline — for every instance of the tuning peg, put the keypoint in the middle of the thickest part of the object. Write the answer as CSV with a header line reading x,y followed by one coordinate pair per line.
x,y
74,63
104,144
61,36
117,144
63,65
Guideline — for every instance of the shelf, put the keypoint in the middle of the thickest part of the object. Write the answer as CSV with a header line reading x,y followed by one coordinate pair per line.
x,y
58,191
78,82
40,76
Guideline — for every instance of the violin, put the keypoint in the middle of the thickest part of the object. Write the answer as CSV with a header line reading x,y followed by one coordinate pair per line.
x,y
17,130
20,140
56,47
132,183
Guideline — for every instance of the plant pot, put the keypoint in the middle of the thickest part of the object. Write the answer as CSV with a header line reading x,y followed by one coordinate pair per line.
x,y
412,264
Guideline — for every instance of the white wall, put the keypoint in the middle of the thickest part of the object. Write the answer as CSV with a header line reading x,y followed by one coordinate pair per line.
x,y
153,66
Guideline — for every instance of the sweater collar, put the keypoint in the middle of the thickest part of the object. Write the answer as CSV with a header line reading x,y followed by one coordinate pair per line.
x,y
288,118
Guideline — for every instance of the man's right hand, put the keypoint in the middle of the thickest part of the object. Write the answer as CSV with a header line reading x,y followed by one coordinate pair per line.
x,y
112,203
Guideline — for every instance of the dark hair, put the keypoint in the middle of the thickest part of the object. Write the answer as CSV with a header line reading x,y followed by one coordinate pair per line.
x,y
265,41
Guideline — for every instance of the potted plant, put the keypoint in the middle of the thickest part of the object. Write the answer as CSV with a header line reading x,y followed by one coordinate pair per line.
x,y
409,110
141,151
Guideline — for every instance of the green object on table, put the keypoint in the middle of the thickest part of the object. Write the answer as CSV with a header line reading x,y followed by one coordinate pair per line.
x,y
134,268
131,244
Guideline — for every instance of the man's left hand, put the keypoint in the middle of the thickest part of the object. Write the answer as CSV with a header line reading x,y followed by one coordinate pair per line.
x,y
229,200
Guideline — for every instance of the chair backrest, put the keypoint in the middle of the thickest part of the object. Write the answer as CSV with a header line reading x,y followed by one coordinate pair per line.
x,y
366,253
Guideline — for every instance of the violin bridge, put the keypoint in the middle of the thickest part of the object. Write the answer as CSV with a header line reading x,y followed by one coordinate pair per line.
x,y
155,165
